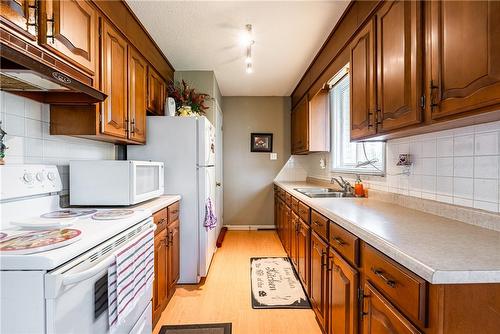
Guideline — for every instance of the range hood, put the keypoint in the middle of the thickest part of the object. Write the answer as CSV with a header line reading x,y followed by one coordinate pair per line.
x,y
26,76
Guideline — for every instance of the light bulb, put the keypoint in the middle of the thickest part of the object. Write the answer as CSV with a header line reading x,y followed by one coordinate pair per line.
x,y
249,68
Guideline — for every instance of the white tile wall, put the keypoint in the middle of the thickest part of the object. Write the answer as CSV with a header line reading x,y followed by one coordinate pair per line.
x,y
28,140
459,166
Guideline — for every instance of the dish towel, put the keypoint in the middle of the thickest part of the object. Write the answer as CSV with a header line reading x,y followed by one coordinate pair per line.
x,y
210,218
128,277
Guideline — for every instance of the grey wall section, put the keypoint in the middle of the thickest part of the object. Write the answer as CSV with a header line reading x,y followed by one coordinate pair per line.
x,y
202,82
248,177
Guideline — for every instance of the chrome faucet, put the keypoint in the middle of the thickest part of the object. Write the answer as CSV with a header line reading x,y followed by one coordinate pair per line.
x,y
346,186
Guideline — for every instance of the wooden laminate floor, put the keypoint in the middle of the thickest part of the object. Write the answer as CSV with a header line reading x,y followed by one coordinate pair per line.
x,y
225,294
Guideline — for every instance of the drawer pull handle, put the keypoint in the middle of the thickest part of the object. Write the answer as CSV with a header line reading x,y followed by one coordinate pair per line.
x,y
339,241
388,281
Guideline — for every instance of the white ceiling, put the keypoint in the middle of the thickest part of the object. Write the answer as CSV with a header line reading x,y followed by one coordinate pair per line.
x,y
204,35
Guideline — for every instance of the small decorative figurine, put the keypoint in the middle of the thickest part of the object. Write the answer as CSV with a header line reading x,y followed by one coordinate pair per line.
x,y
2,145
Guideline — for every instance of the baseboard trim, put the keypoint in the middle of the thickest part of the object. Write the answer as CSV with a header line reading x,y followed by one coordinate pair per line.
x,y
249,227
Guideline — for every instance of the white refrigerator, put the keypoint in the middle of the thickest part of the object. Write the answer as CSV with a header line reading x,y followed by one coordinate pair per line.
x,y
186,146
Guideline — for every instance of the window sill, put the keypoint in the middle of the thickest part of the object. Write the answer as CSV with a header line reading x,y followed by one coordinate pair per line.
x,y
357,171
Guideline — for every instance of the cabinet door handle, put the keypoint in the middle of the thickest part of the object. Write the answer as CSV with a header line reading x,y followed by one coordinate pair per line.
x,y
339,241
132,126
380,273
171,238
323,259
433,88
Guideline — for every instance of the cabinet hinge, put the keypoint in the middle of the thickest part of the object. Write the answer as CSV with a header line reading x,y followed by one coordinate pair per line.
x,y
422,101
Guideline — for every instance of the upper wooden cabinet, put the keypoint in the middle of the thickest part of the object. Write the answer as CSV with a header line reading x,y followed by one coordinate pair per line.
x,y
362,82
114,82
70,29
464,59
311,124
157,93
22,15
399,64
137,90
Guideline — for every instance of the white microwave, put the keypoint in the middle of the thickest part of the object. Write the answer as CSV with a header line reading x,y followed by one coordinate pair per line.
x,y
114,182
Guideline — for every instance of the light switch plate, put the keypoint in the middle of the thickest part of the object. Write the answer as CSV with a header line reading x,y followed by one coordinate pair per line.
x,y
273,156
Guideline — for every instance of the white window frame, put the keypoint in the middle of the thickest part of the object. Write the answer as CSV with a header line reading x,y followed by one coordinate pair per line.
x,y
336,153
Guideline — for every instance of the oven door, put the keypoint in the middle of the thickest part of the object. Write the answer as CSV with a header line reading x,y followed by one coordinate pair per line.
x,y
76,294
147,181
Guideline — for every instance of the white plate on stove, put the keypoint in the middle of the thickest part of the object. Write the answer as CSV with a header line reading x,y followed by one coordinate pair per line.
x,y
43,223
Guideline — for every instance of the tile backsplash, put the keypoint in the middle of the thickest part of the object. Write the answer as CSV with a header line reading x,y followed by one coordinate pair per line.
x,y
28,140
459,166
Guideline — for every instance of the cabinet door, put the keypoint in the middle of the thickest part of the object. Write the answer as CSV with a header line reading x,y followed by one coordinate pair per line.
x,y
294,230
160,281
465,56
21,15
380,317
303,253
318,283
319,122
114,77
300,126
137,90
399,64
156,92
362,83
288,229
70,29
173,256
342,296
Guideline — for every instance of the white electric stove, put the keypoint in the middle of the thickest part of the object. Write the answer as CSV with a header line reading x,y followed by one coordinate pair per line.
x,y
54,261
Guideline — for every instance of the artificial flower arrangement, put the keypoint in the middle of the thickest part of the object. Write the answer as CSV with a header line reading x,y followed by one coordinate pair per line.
x,y
187,101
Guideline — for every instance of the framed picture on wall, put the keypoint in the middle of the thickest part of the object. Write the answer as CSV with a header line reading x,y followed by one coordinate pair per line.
x,y
261,142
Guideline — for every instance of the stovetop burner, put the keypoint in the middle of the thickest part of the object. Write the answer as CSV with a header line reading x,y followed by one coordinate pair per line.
x,y
112,214
39,241
67,213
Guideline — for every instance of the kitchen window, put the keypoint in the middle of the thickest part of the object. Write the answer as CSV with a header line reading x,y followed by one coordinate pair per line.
x,y
347,157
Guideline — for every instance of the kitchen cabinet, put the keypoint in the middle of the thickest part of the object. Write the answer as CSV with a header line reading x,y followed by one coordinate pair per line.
x,y
173,256
287,222
318,282
342,296
295,224
303,253
69,28
167,257
311,124
22,15
157,93
114,79
380,317
362,83
399,64
464,59
160,281
137,90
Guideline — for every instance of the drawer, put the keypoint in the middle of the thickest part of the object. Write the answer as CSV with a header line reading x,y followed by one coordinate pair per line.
x,y
403,288
160,218
304,212
288,199
344,242
173,212
295,205
319,224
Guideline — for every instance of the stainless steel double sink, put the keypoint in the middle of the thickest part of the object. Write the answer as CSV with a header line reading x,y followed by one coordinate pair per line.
x,y
323,192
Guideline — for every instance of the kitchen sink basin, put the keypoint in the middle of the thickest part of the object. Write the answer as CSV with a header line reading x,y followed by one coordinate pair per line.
x,y
323,192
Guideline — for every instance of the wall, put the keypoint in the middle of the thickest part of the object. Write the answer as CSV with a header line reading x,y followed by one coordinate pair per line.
x,y
203,82
28,140
248,177
459,166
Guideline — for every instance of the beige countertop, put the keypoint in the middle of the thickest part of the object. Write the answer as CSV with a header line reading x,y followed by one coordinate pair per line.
x,y
158,203
438,249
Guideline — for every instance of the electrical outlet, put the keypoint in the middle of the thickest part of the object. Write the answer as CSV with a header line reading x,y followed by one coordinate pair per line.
x,y
273,156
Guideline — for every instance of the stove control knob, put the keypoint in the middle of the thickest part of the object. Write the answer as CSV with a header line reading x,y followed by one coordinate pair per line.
x,y
40,177
51,176
27,177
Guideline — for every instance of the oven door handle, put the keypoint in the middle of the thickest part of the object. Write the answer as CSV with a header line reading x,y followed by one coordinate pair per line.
x,y
86,274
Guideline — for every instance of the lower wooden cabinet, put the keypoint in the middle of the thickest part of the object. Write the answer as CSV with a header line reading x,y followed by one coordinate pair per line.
x,y
319,275
159,283
342,296
380,317
294,231
303,253
167,245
